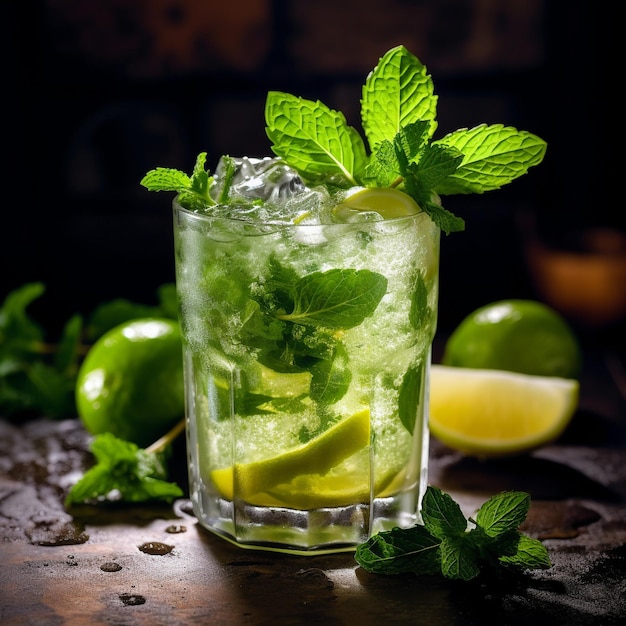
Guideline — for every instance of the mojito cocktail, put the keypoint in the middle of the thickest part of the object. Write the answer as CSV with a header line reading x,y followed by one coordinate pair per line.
x,y
307,349
308,285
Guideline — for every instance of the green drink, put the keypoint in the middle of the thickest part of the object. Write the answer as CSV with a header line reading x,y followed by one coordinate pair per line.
x,y
308,288
307,352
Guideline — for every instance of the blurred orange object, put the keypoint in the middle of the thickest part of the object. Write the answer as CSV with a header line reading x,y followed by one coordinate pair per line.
x,y
584,279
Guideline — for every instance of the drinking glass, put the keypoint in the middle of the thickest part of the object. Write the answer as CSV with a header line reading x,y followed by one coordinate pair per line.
x,y
307,351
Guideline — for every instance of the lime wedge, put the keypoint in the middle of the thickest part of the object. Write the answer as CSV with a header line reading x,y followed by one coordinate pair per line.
x,y
317,456
488,413
385,201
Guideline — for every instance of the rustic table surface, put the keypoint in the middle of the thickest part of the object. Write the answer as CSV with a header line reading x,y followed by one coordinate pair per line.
x,y
155,565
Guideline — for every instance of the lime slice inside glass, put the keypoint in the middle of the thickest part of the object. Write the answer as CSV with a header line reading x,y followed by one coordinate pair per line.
x,y
341,441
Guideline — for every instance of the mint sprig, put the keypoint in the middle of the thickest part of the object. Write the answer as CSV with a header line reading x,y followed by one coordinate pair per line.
x,y
398,115
123,472
194,191
449,545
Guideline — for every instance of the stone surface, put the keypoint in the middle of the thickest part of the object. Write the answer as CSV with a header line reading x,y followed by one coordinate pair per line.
x,y
155,565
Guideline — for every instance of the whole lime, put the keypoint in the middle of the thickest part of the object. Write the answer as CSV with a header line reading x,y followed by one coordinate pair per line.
x,y
131,381
524,336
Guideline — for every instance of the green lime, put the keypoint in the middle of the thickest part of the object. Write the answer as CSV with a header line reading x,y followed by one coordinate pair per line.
x,y
522,336
131,381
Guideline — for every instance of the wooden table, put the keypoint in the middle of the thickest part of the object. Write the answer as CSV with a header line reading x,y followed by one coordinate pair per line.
x,y
155,565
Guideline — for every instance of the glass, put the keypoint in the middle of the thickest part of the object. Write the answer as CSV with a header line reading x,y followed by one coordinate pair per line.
x,y
307,360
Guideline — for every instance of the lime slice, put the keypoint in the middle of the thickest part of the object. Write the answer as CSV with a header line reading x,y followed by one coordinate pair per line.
x,y
317,456
281,385
385,201
488,413
347,485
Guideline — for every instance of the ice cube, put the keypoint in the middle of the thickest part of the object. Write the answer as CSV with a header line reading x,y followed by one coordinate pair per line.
x,y
267,178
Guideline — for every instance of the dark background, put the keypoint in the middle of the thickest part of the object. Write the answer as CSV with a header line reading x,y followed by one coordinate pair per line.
x,y
97,93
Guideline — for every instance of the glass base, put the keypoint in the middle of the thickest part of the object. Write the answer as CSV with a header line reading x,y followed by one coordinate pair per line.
x,y
309,532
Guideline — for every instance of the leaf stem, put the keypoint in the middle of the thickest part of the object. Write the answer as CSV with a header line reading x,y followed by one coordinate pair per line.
x,y
160,444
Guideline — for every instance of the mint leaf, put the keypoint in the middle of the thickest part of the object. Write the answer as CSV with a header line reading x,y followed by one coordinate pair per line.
x,y
529,554
123,472
396,93
503,513
400,551
166,179
313,139
419,312
444,546
493,156
409,397
331,377
338,298
193,191
35,375
442,515
459,558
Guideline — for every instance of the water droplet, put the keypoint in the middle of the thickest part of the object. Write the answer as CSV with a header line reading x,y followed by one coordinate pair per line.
x,y
176,528
156,547
130,599
109,566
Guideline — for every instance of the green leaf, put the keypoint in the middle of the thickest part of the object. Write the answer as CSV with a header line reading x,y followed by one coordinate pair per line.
x,y
530,554
124,472
503,513
68,348
166,179
399,551
410,396
420,312
16,326
313,139
436,165
396,93
441,514
331,377
52,391
193,191
444,219
493,156
443,545
109,314
459,558
338,298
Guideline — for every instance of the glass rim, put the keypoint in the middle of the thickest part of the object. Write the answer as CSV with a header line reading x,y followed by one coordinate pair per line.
x,y
281,224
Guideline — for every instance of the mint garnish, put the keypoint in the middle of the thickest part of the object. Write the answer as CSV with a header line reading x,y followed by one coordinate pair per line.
x,y
398,113
449,545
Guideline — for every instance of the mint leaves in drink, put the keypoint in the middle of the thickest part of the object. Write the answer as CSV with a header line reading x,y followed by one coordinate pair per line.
x,y
338,298
449,545
398,114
